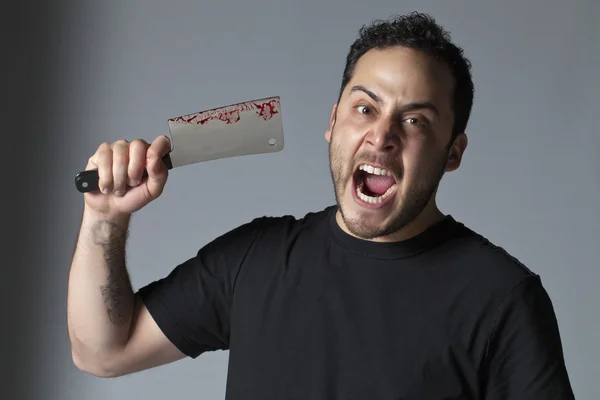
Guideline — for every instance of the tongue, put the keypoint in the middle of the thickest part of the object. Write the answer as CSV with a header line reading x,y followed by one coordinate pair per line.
x,y
378,184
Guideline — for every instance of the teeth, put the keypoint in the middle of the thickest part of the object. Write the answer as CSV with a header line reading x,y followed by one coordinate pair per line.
x,y
370,199
374,170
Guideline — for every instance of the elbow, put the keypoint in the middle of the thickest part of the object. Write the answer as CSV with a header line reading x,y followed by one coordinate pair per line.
x,y
94,367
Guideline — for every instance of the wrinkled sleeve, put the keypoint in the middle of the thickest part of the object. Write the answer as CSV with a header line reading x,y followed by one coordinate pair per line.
x,y
525,359
191,305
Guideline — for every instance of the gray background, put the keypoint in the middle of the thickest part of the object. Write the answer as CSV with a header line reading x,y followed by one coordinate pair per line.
x,y
80,73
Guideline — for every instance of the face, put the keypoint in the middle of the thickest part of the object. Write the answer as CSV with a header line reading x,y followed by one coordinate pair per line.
x,y
390,141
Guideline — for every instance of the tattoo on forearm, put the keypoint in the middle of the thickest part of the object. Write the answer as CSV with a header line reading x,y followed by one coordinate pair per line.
x,y
117,292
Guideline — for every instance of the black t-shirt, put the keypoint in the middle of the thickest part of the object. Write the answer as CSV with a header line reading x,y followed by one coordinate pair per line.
x,y
309,312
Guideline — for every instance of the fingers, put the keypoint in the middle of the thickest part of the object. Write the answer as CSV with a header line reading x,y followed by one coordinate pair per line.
x,y
137,161
103,161
120,163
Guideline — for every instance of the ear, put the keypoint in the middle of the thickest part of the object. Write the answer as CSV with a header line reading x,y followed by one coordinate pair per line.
x,y
456,152
331,123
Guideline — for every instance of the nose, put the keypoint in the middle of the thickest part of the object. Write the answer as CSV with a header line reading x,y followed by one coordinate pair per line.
x,y
382,136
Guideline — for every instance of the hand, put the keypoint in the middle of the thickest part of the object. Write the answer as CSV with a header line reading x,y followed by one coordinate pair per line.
x,y
120,167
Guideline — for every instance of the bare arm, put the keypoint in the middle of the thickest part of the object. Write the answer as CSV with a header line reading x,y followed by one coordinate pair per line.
x,y
111,332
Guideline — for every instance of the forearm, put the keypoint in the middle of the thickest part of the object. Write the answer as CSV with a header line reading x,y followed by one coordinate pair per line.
x,y
100,297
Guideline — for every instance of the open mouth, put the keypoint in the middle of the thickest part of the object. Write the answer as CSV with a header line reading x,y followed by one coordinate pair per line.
x,y
374,185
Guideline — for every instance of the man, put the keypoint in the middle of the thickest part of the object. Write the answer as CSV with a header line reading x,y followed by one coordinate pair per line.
x,y
381,296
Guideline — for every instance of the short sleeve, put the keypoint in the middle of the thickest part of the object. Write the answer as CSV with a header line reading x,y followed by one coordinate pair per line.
x,y
525,359
192,304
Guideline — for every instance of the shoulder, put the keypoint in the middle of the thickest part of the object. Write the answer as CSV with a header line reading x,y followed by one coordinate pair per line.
x,y
488,265
494,284
287,225
272,229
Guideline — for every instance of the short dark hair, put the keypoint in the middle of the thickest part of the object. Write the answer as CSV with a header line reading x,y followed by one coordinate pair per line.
x,y
420,32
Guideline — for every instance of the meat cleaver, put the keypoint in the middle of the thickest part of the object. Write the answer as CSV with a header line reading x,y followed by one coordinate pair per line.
x,y
251,127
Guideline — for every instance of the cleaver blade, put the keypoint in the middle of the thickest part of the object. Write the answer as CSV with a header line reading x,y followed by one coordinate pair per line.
x,y
251,127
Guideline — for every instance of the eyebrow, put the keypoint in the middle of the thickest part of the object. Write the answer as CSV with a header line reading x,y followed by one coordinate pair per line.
x,y
370,93
420,106
407,107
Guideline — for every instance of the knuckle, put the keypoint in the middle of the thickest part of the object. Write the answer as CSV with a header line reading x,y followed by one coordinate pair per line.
x,y
139,143
121,143
102,151
120,146
104,146
138,151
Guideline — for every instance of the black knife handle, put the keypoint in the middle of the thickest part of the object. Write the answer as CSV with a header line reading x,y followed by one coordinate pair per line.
x,y
87,181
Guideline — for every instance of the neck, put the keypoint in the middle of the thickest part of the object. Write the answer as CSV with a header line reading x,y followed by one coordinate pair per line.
x,y
430,215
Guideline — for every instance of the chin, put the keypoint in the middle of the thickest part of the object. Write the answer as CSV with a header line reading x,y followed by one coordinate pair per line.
x,y
376,220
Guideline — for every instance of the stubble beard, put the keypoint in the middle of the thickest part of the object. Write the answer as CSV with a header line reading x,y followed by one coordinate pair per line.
x,y
411,205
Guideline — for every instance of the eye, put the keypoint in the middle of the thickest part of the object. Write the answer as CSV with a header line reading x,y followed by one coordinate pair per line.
x,y
415,121
364,110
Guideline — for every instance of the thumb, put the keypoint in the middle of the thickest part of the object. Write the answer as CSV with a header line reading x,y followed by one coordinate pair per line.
x,y
157,175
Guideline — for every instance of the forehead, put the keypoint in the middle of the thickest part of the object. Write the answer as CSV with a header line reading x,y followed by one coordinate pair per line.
x,y
401,75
